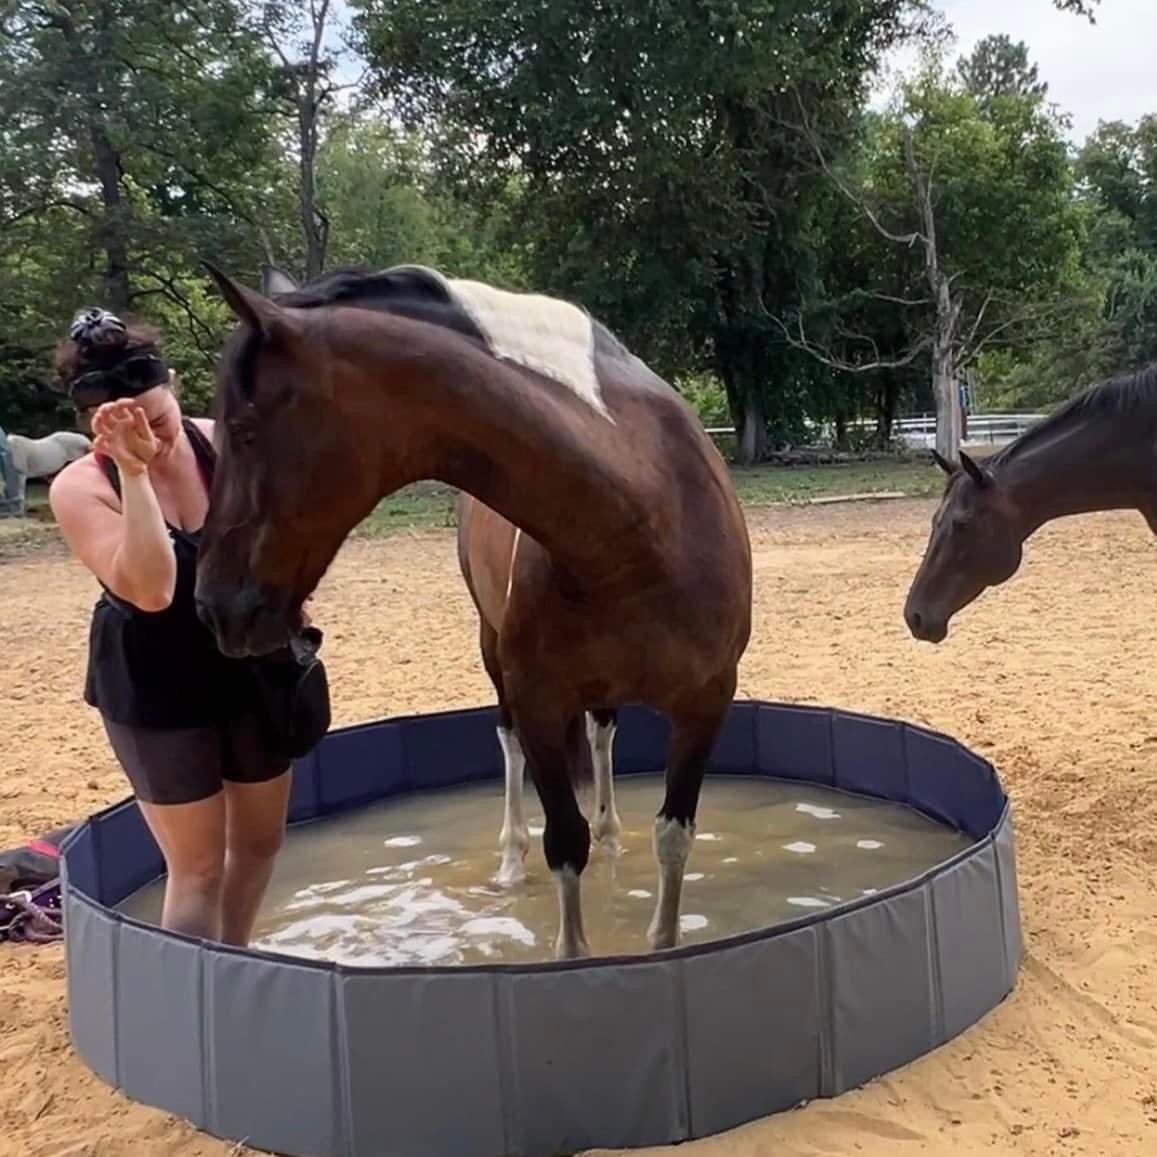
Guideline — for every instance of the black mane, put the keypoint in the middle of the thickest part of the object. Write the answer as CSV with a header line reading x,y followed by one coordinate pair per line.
x,y
404,289
411,290
407,290
1124,394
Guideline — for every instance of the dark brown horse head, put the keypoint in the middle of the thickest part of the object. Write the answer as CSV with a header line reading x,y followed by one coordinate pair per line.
x,y
288,485
975,543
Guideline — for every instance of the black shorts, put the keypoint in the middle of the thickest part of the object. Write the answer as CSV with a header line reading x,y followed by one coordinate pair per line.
x,y
184,765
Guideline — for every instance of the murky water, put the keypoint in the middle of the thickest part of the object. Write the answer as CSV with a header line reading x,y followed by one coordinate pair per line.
x,y
409,881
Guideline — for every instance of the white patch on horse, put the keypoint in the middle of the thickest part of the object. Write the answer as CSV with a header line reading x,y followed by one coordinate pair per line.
x,y
605,823
552,337
672,842
572,940
514,838
513,555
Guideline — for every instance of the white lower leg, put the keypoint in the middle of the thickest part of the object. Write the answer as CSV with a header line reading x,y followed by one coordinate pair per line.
x,y
514,839
572,940
672,842
605,824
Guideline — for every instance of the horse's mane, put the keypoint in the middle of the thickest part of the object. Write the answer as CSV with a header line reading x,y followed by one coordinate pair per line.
x,y
360,285
1123,394
412,291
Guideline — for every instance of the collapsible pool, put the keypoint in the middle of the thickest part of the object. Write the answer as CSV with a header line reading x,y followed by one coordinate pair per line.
x,y
536,1058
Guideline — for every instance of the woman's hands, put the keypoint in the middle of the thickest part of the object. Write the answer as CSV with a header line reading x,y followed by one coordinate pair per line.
x,y
121,431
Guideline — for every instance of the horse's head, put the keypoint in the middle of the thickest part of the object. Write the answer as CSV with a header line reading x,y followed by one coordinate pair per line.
x,y
975,543
289,484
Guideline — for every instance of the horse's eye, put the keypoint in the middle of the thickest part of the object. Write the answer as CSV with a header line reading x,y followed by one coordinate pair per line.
x,y
243,433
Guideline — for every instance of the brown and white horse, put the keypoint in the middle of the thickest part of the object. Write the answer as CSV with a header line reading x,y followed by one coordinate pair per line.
x,y
600,536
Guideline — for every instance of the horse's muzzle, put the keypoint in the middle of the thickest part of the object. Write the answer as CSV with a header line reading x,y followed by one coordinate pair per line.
x,y
926,628
246,621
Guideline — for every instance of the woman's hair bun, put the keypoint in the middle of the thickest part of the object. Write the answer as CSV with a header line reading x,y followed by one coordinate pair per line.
x,y
98,327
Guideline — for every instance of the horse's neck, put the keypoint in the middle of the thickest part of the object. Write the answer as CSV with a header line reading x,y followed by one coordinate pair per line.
x,y
572,479
1103,462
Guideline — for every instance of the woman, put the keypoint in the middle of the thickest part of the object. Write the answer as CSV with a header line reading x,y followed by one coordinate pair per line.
x,y
177,712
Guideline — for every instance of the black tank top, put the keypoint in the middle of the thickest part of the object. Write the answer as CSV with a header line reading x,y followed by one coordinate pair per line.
x,y
162,668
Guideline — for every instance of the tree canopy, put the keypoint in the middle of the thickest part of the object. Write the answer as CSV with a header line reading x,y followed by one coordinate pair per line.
x,y
711,179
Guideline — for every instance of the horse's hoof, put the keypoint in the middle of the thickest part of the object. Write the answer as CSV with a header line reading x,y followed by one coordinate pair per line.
x,y
578,950
511,874
660,938
606,835
610,847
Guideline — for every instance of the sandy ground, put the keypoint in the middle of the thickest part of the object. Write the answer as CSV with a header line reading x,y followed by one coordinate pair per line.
x,y
1049,677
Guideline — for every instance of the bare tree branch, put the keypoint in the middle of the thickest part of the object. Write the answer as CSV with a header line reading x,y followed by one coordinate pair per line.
x,y
860,203
43,207
828,358
977,323
198,330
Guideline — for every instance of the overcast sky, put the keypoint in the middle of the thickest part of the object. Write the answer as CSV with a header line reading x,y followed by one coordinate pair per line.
x,y
1103,71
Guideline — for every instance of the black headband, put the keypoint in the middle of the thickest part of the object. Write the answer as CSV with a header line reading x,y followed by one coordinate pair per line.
x,y
126,379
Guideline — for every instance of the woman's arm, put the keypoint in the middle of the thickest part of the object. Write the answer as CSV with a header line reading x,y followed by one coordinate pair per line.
x,y
129,550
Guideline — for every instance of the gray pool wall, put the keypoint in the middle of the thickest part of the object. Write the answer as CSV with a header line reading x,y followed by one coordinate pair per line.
x,y
310,1058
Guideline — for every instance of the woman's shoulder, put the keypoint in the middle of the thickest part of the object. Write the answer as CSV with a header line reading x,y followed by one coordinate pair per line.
x,y
205,425
81,478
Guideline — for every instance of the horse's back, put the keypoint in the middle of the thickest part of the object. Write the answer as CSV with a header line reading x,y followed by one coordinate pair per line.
x,y
40,457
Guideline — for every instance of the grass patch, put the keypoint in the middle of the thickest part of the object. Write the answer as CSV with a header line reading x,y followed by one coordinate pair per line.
x,y
431,505
777,485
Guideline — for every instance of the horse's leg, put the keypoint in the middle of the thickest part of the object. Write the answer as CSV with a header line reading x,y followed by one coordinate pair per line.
x,y
514,837
694,729
552,748
605,825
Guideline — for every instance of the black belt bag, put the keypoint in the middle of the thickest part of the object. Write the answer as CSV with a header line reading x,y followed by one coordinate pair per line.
x,y
292,693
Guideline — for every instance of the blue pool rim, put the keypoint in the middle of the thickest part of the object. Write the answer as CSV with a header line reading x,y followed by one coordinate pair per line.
x,y
306,1057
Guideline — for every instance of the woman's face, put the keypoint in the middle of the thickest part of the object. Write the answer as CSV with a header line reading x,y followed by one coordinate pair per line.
x,y
163,415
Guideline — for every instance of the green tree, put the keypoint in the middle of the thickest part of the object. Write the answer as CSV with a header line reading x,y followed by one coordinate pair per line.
x,y
977,201
1000,67
134,140
659,185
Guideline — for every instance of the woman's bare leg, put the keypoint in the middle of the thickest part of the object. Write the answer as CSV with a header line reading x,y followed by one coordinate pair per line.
x,y
191,837
254,829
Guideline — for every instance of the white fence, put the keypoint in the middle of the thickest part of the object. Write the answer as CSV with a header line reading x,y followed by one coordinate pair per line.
x,y
918,431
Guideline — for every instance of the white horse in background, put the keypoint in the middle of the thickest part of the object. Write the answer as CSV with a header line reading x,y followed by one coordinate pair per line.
x,y
43,457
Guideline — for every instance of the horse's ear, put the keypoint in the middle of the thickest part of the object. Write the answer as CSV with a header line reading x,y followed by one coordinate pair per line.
x,y
275,281
943,463
252,308
974,471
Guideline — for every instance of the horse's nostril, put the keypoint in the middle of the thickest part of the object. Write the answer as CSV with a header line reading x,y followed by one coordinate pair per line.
x,y
916,619
204,612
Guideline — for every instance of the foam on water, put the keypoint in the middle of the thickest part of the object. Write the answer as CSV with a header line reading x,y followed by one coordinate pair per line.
x,y
410,881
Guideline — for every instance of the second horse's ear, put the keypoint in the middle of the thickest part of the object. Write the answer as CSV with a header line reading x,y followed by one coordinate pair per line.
x,y
943,463
275,281
974,471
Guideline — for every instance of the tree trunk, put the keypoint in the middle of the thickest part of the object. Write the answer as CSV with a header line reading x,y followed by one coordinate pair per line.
x,y
947,402
110,235
752,430
947,314
111,230
312,222
886,399
841,430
